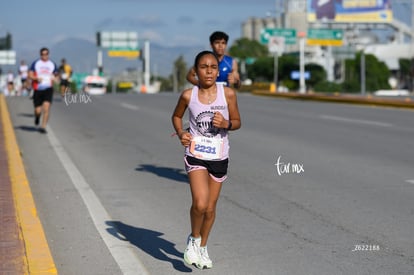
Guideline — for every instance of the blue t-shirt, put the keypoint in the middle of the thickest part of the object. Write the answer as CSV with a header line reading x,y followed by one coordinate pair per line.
x,y
225,67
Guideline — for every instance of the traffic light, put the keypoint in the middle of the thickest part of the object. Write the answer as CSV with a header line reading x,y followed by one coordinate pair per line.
x,y
6,42
98,39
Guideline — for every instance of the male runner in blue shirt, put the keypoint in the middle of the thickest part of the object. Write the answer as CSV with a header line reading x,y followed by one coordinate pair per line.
x,y
228,69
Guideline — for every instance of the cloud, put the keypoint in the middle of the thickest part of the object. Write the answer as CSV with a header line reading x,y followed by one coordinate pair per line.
x,y
185,20
145,21
151,36
188,40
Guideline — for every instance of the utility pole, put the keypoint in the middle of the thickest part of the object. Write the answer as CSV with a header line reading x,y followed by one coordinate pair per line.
x,y
302,85
363,71
147,63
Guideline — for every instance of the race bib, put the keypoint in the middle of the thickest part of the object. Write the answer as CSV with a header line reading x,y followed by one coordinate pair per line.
x,y
46,80
207,148
64,76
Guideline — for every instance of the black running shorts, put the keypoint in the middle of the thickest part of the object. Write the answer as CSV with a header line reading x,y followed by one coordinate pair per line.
x,y
41,96
216,168
64,82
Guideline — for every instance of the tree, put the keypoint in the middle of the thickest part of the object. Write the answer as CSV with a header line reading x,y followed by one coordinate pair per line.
x,y
376,74
247,52
179,74
245,48
317,74
406,73
261,69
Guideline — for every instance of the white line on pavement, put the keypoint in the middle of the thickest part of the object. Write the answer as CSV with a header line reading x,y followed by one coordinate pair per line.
x,y
129,106
410,181
357,121
123,254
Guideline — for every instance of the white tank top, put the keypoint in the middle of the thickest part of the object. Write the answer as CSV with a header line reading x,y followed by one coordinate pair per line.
x,y
201,127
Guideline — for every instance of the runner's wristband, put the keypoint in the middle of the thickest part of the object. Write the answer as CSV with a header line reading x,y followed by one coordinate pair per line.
x,y
230,125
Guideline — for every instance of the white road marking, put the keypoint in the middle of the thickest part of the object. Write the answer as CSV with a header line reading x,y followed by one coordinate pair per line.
x,y
357,121
129,106
121,251
410,181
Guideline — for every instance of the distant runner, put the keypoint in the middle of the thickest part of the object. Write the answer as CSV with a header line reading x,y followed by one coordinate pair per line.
x,y
43,72
65,72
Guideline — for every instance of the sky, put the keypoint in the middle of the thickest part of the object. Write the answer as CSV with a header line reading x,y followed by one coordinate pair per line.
x,y
165,22
37,23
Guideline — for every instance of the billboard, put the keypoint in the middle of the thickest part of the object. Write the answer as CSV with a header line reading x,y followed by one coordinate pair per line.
x,y
349,11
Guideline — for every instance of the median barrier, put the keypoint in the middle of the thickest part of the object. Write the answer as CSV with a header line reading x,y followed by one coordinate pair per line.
x,y
401,102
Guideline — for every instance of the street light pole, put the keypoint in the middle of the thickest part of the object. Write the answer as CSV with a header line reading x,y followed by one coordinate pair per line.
x,y
302,85
276,53
363,71
147,64
276,68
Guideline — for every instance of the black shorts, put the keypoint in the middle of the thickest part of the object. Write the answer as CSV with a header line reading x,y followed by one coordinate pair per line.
x,y
216,168
64,82
41,96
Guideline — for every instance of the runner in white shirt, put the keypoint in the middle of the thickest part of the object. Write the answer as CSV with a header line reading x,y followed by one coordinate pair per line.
x,y
43,72
10,83
24,74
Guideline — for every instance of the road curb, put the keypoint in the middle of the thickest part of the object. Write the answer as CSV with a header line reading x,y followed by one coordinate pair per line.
x,y
338,98
37,253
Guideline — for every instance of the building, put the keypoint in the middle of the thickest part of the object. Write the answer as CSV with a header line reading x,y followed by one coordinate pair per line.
x,y
293,14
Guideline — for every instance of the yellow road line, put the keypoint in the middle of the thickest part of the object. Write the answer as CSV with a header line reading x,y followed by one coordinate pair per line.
x,y
38,257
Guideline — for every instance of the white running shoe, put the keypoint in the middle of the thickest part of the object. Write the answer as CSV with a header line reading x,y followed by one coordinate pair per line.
x,y
192,252
205,261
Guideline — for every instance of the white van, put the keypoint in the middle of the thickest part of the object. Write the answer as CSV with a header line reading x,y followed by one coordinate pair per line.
x,y
94,85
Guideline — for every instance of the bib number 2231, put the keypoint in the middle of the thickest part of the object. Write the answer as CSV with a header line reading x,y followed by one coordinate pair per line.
x,y
206,148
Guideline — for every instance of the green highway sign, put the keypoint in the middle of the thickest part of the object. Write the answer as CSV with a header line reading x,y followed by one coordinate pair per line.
x,y
325,37
325,34
288,34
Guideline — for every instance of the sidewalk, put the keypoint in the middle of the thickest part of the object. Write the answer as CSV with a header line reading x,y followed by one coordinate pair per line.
x,y
12,259
23,245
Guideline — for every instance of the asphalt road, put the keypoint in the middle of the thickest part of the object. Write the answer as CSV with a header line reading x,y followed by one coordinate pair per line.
x,y
313,188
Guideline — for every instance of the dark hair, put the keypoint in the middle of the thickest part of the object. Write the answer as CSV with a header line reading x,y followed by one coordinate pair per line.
x,y
44,49
218,35
201,54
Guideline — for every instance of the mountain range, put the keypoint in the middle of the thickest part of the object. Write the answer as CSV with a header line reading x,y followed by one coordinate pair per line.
x,y
81,54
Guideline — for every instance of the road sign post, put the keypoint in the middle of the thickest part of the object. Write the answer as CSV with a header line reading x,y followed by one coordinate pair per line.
x,y
276,46
276,39
120,44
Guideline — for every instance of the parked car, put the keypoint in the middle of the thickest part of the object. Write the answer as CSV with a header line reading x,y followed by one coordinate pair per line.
x,y
94,85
